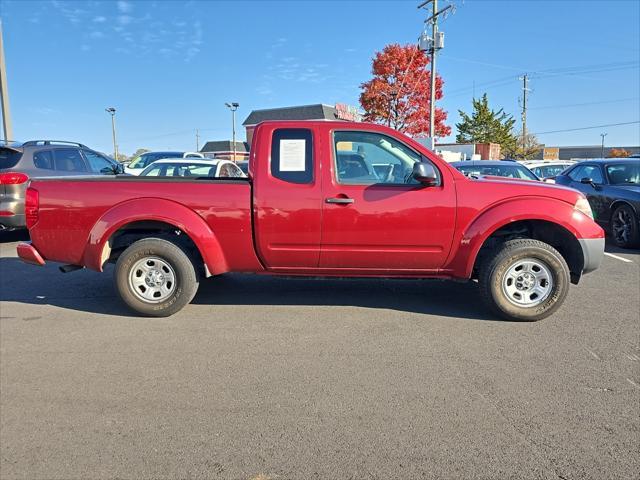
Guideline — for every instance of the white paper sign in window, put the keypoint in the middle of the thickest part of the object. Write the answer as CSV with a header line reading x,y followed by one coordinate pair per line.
x,y
292,155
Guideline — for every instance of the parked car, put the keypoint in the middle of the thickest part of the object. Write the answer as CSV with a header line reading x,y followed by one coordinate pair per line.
x,y
244,166
548,170
315,206
193,168
20,162
612,186
138,164
495,168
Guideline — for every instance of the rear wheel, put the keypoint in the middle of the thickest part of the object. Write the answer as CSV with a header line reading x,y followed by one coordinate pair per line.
x,y
524,280
624,227
155,277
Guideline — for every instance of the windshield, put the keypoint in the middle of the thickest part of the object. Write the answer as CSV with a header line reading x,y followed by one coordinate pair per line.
x,y
147,159
507,170
180,170
549,170
627,173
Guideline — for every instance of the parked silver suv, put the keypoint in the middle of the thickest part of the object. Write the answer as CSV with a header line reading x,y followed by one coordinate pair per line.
x,y
20,162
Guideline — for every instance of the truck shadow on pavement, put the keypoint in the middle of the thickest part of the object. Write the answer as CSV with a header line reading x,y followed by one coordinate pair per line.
x,y
92,292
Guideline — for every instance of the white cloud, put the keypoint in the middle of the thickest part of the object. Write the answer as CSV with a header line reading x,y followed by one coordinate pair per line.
x,y
96,34
124,7
100,19
69,11
124,19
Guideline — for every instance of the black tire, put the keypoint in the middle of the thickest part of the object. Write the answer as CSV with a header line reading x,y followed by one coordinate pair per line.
x,y
508,255
182,271
625,231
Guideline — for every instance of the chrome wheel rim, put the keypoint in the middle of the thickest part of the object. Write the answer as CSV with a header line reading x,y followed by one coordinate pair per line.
x,y
527,282
152,280
621,226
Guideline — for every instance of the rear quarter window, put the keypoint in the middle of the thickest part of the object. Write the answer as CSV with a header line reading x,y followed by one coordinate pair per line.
x,y
43,159
292,155
9,158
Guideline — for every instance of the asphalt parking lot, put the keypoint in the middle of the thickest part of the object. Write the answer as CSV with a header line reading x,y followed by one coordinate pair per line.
x,y
264,378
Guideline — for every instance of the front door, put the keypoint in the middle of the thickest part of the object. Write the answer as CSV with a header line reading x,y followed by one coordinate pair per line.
x,y
375,216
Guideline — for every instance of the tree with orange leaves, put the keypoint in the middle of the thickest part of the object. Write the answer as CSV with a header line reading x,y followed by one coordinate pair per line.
x,y
618,153
399,93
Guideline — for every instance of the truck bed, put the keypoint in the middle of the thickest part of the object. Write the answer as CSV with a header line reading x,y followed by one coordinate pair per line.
x,y
71,210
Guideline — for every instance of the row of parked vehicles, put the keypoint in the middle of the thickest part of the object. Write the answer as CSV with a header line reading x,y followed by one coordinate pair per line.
x,y
612,186
20,162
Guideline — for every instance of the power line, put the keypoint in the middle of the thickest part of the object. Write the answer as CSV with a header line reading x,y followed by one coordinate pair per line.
x,y
172,134
587,128
544,73
585,103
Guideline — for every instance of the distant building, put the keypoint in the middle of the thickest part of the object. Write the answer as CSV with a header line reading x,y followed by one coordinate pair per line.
x,y
580,152
453,152
304,112
318,111
224,149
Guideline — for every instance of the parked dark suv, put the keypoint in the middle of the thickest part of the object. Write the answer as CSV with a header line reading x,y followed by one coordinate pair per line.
x,y
42,158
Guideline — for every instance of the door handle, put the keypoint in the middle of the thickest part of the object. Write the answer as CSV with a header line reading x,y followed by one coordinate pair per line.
x,y
340,200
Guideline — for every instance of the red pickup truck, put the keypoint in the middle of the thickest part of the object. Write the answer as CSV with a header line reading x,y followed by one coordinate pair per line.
x,y
321,199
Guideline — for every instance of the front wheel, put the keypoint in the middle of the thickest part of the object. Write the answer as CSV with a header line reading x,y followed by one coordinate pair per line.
x,y
155,277
624,227
524,280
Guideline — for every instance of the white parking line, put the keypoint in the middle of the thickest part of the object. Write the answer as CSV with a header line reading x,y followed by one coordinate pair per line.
x,y
618,258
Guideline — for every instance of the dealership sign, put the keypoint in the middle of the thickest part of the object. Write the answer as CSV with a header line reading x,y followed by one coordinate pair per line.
x,y
348,112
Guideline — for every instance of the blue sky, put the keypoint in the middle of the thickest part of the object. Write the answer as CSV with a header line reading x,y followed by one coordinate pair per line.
x,y
168,67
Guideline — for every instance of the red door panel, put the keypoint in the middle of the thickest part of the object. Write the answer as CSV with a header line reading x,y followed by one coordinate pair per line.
x,y
384,226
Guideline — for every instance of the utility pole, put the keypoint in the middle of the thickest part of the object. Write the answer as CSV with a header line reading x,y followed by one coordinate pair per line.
x,y
432,46
602,150
233,107
197,141
393,97
525,89
4,93
112,112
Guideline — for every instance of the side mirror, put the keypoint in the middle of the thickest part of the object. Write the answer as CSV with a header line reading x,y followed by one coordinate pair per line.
x,y
588,181
425,174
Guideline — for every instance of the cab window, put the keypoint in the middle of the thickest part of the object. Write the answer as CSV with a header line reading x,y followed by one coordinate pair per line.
x,y
366,158
292,155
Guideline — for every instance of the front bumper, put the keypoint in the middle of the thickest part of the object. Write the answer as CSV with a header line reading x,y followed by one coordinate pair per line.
x,y
592,252
29,254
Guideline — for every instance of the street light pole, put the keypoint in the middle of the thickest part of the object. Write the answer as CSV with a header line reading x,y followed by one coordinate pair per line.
x,y
602,150
233,106
4,94
112,112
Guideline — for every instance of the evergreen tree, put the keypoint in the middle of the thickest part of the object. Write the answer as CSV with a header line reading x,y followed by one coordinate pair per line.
x,y
486,126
